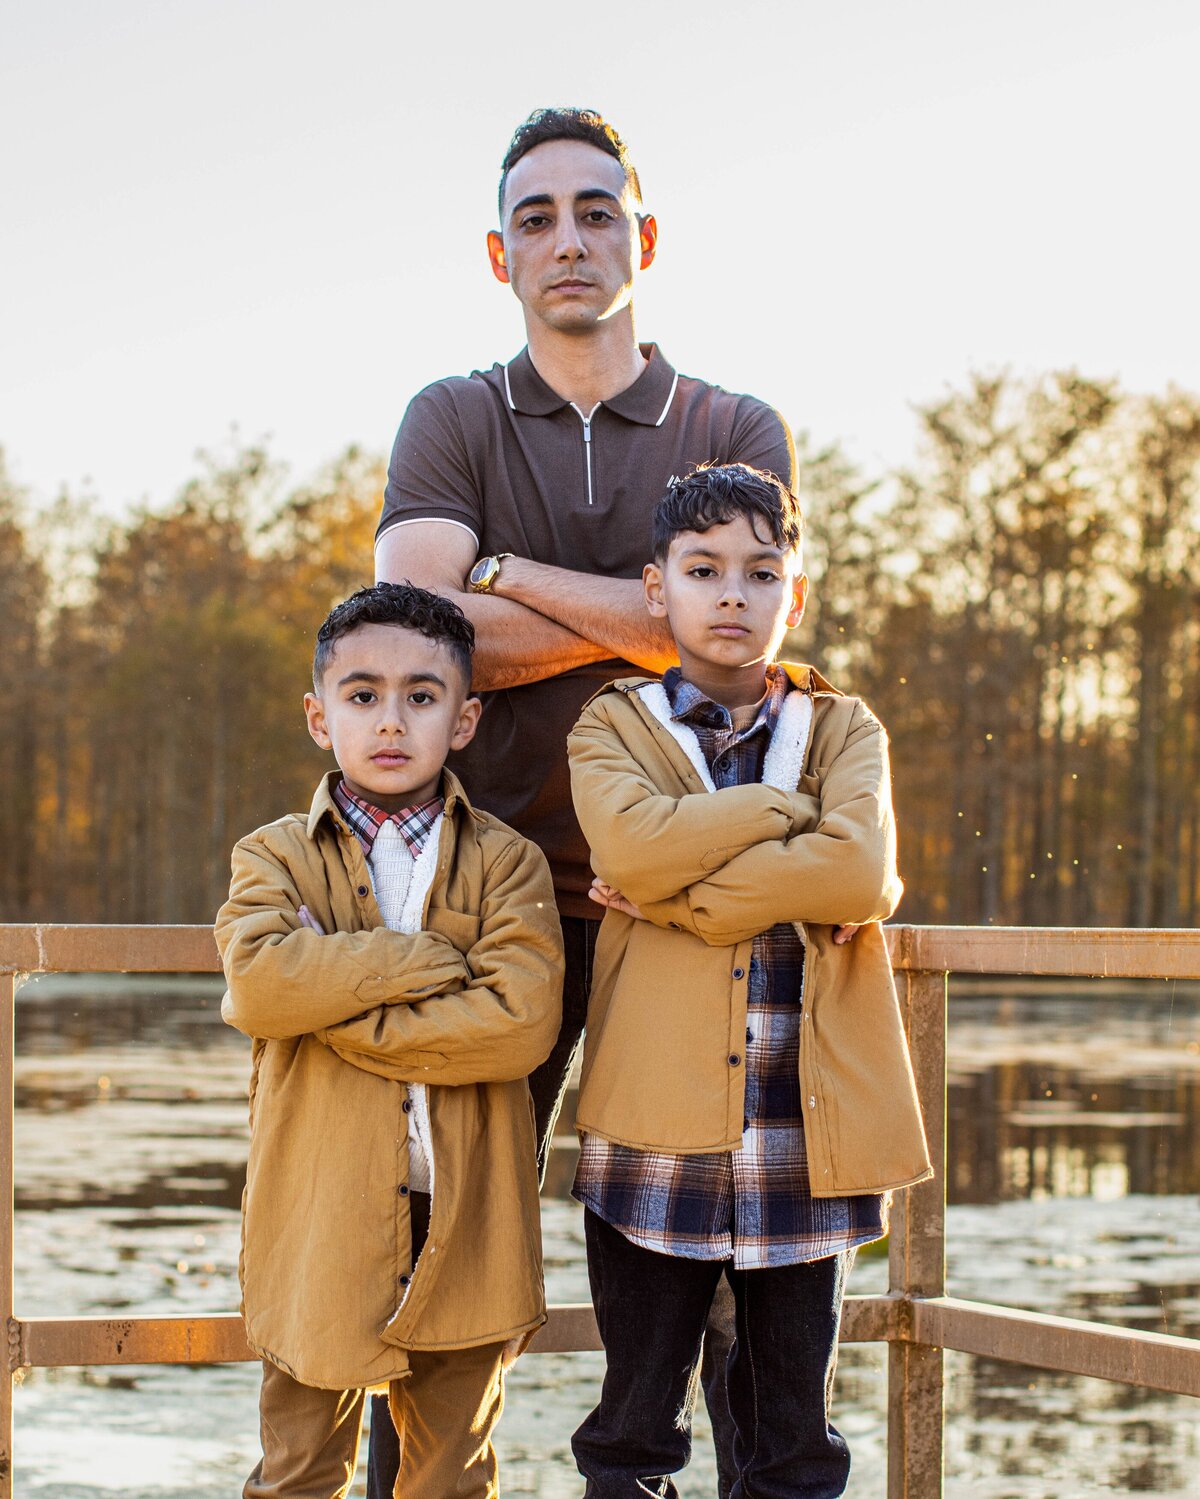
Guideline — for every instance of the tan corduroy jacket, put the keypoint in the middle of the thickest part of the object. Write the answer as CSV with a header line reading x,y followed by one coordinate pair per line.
x,y
710,870
468,1006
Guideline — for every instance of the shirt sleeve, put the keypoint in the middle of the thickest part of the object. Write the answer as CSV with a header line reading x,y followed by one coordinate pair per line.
x,y
762,438
430,474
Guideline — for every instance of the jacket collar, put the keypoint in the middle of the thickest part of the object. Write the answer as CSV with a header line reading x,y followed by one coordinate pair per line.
x,y
646,401
806,678
323,804
784,759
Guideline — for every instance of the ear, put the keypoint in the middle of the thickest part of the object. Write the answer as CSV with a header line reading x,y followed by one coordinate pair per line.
x,y
495,246
799,599
468,722
652,583
647,237
314,711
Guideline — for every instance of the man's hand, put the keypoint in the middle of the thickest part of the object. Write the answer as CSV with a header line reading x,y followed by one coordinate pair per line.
x,y
605,895
514,644
842,934
309,920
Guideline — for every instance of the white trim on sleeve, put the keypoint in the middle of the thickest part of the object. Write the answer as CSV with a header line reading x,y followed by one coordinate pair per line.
x,y
425,520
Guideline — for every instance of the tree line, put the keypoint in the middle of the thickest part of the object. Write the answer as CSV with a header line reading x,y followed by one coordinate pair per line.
x,y
1020,605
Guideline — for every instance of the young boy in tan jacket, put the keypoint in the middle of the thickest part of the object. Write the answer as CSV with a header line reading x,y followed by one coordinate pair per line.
x,y
747,1102
396,956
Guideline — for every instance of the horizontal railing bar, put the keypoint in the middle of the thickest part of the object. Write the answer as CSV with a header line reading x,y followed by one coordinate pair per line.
x,y
108,949
1063,1345
1091,952
63,1342
1068,952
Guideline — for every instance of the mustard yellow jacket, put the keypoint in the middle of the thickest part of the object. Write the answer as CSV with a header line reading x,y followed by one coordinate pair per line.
x,y
468,1006
711,870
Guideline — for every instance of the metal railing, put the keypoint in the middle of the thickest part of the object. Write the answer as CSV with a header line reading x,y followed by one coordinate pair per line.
x,y
916,1319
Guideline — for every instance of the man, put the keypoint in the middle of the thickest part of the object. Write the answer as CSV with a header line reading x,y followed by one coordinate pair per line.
x,y
525,492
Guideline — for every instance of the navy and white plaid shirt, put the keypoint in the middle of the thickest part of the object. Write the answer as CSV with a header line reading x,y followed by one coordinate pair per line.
x,y
365,819
752,1205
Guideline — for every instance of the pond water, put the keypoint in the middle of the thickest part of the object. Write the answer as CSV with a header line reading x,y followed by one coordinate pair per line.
x,y
1074,1159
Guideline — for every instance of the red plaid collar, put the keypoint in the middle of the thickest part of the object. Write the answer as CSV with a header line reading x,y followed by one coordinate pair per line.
x,y
415,823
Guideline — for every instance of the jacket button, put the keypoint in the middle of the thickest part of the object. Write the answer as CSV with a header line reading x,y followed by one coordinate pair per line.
x,y
739,973
812,1100
734,1059
407,1105
404,1280
403,1191
362,890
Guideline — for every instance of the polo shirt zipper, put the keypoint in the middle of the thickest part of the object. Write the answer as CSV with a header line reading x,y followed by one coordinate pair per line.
x,y
587,441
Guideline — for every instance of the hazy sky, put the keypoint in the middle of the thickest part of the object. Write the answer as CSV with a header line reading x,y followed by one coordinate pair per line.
x,y
273,215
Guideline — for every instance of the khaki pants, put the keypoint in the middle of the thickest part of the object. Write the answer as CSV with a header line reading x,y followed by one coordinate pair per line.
x,y
445,1413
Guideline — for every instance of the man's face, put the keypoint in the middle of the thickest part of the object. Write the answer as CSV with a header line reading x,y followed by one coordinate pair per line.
x,y
393,704
571,237
730,597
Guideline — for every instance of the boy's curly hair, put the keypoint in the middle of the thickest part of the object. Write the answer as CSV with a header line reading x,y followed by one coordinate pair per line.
x,y
716,493
397,604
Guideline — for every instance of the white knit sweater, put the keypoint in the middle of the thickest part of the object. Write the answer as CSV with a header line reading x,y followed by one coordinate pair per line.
x,y
401,884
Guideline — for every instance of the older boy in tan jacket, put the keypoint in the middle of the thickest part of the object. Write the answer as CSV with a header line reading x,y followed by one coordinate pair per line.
x,y
747,1101
396,957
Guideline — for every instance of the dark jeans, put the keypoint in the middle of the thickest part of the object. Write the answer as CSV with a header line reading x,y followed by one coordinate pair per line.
x,y
549,1082
652,1310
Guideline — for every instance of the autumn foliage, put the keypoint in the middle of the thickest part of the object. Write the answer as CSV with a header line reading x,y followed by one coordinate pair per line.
x,y
1021,606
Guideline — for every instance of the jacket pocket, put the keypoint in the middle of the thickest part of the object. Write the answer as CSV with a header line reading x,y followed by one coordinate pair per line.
x,y
458,927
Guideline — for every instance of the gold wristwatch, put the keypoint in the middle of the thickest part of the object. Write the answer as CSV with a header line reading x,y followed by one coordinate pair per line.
x,y
486,571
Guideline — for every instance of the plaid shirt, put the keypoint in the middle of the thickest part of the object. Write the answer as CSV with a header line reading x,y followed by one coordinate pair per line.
x,y
752,1205
414,823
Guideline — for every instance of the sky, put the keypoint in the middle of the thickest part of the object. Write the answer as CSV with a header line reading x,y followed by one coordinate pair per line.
x,y
242,215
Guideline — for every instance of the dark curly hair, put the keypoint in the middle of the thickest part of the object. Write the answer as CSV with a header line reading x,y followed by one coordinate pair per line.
x,y
716,493
567,124
397,604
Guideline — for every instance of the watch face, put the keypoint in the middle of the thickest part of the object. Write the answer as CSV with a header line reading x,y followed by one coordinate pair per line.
x,y
481,571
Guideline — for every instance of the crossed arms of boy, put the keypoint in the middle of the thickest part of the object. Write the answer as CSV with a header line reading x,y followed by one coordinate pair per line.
x,y
729,864
411,1007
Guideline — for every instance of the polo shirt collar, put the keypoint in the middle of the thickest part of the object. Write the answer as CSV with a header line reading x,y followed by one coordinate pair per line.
x,y
647,401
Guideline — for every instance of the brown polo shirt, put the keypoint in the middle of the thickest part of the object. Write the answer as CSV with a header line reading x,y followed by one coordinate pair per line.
x,y
502,455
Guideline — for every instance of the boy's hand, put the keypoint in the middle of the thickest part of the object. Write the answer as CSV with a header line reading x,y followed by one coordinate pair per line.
x,y
843,934
309,920
605,895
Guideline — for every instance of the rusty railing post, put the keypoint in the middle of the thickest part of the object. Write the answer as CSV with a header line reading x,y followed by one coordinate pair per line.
x,y
917,1257
8,996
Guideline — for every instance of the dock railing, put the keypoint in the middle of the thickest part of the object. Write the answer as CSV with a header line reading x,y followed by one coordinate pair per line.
x,y
916,1319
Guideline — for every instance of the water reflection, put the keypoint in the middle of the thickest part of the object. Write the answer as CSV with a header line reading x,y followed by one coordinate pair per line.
x,y
1070,1093
1072,1180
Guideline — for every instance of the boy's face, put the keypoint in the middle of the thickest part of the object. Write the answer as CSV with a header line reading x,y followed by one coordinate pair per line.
x,y
729,597
393,704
